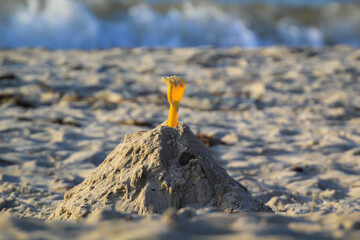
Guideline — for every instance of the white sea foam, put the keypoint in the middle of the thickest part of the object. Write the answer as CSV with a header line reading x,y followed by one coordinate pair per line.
x,y
62,24
293,34
67,24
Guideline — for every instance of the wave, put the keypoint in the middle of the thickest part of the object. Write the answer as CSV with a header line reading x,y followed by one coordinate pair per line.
x,y
66,24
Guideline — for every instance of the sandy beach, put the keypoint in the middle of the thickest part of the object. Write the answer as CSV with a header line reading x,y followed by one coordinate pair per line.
x,y
284,122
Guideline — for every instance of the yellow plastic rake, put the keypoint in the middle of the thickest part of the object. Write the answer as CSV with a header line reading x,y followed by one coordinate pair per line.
x,y
175,92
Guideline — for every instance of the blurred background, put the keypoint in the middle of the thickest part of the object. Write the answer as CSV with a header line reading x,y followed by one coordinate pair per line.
x,y
99,24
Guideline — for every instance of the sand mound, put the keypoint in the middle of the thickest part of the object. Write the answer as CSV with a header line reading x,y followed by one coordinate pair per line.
x,y
154,170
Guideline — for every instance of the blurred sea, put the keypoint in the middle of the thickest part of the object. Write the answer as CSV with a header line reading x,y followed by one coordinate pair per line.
x,y
98,24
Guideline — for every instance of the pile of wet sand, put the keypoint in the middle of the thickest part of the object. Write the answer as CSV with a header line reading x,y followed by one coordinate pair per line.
x,y
154,170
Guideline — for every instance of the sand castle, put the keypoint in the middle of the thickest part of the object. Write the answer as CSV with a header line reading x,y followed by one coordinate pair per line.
x,y
151,171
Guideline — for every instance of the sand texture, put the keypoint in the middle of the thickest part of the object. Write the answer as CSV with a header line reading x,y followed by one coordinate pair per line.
x,y
283,123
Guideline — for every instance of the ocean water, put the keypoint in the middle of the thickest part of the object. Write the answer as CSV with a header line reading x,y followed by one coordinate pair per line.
x,y
99,24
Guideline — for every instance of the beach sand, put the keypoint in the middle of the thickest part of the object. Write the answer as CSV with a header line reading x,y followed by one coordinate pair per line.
x,y
284,122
